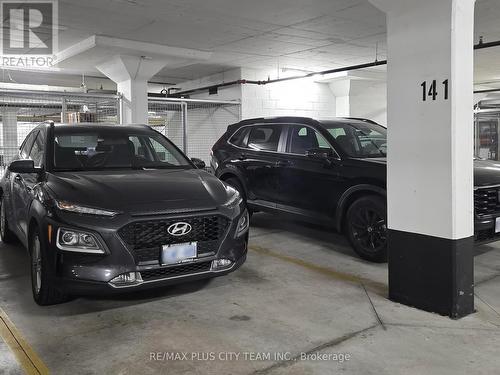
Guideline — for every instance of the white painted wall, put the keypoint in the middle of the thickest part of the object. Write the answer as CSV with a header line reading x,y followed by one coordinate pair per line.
x,y
302,97
368,99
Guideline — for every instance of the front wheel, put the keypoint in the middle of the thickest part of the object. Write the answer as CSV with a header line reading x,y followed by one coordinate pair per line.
x,y
367,228
44,291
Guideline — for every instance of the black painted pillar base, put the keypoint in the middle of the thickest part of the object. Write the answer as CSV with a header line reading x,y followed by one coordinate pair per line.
x,y
430,273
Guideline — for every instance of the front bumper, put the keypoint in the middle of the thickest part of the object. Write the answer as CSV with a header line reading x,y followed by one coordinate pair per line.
x,y
77,273
88,287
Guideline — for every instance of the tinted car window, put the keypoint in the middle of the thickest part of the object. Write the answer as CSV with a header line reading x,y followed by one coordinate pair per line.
x,y
27,144
37,151
303,138
102,149
264,137
362,140
238,139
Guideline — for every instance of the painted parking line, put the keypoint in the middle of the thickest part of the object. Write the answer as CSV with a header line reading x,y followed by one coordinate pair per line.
x,y
25,355
380,288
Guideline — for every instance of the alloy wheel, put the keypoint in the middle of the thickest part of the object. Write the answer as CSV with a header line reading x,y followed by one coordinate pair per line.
x,y
369,229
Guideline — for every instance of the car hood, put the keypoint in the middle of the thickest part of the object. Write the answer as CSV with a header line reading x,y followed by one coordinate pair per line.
x,y
144,191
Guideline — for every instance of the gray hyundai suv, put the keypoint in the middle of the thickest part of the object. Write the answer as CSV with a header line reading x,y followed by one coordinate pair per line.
x,y
107,208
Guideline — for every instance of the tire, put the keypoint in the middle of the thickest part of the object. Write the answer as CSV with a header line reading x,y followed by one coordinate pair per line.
x,y
366,226
235,183
42,285
6,235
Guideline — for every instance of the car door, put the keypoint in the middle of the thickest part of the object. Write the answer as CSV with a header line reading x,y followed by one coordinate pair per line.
x,y
13,179
23,183
310,185
257,158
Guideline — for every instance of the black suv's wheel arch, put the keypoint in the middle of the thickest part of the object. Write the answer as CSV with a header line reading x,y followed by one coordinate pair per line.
x,y
350,196
228,175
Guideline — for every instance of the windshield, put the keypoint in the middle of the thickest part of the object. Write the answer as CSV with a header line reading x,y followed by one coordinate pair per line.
x,y
87,149
359,140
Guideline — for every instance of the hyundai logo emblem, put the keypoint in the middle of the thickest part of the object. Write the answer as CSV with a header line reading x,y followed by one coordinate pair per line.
x,y
179,229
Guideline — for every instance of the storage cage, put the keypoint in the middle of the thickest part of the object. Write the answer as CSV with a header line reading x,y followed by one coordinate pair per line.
x,y
193,125
22,111
487,134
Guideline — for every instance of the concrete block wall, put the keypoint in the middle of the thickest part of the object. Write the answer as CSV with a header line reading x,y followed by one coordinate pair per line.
x,y
302,97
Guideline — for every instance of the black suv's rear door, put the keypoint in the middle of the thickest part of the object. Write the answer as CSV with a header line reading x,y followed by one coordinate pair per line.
x,y
258,159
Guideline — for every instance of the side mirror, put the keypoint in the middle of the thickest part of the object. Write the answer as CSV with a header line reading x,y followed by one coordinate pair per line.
x,y
198,163
319,153
23,166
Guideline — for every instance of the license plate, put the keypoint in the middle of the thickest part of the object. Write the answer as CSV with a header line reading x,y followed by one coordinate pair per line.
x,y
178,253
497,225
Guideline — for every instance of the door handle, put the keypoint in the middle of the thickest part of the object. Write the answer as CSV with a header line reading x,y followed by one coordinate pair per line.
x,y
243,156
283,163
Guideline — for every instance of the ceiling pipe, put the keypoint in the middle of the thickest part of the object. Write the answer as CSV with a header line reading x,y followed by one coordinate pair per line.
x,y
480,45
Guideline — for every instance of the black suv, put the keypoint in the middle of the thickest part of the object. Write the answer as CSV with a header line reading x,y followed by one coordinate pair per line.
x,y
329,172
107,208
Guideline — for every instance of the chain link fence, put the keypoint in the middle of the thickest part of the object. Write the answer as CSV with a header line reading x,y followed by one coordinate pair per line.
x,y
22,111
193,125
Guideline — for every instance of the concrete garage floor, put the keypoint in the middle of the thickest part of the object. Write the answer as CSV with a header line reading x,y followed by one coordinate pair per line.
x,y
302,290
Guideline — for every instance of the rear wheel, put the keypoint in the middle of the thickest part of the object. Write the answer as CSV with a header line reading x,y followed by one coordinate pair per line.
x,y
367,228
5,233
44,291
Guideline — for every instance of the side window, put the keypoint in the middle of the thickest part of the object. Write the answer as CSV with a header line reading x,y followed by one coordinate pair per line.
x,y
238,139
37,151
163,154
303,138
27,144
264,137
139,148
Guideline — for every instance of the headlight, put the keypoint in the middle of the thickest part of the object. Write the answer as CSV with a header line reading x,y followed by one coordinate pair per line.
x,y
78,241
234,197
243,225
70,207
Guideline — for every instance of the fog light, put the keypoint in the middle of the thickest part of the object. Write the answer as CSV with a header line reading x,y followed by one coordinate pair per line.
x,y
126,279
220,264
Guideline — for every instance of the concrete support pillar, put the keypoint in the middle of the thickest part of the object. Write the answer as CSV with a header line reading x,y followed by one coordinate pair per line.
x,y
131,74
9,133
341,89
430,153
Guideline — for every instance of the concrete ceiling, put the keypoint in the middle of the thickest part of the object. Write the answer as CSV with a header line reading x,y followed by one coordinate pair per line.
x,y
310,35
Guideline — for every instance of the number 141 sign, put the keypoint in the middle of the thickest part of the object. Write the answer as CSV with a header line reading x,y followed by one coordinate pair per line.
x,y
432,90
